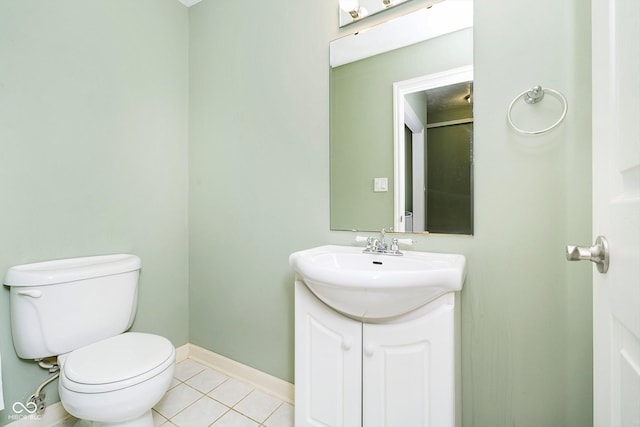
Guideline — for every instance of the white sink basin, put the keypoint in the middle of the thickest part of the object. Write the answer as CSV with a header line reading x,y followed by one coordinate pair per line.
x,y
373,287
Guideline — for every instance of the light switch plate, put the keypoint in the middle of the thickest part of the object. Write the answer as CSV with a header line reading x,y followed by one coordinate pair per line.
x,y
380,184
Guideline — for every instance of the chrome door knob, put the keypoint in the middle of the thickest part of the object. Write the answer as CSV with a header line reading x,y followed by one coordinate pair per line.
x,y
598,253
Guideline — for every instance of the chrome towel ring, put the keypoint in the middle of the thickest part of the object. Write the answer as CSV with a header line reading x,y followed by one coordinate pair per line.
x,y
532,96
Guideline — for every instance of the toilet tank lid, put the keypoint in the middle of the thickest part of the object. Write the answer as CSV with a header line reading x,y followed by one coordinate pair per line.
x,y
71,269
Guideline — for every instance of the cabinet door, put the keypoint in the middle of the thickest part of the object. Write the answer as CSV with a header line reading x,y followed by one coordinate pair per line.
x,y
328,364
409,371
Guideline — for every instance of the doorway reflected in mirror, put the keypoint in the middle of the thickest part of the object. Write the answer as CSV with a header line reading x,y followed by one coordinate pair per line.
x,y
439,160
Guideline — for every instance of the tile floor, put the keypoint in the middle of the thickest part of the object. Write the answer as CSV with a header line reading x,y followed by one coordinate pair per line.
x,y
201,396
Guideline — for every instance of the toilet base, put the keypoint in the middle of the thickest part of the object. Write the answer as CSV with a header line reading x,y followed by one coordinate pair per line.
x,y
145,420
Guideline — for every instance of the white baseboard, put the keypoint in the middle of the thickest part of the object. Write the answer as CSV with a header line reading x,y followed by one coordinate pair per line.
x,y
182,353
281,389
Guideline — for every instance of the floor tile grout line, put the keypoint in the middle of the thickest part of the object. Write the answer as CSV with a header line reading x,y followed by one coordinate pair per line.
x,y
203,395
228,377
249,416
272,412
207,393
228,408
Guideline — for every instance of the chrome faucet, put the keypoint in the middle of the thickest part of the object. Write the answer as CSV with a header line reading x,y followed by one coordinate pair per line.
x,y
380,246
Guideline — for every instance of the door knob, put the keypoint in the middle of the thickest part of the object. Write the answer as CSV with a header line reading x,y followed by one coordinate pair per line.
x,y
598,253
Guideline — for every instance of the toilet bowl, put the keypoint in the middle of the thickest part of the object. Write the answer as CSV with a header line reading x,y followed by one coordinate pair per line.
x,y
79,310
116,381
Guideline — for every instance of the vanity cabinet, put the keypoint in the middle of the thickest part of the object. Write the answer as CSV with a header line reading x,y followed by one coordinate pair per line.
x,y
399,373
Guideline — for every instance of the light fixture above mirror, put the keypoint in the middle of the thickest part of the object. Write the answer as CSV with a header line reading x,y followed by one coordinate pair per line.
x,y
434,20
354,10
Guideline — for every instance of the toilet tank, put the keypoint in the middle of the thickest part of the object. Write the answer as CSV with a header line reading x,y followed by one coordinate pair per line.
x,y
59,306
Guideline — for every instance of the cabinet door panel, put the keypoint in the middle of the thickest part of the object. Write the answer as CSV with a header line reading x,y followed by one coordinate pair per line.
x,y
328,362
409,371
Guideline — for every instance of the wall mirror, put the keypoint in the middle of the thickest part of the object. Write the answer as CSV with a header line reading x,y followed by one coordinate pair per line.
x,y
422,59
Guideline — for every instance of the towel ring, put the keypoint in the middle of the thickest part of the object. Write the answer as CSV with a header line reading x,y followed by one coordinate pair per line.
x,y
532,96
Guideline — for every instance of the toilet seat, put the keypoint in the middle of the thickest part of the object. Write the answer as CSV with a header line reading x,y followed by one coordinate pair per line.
x,y
116,363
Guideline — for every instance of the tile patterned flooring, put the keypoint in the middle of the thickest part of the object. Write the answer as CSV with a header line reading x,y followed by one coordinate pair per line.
x,y
200,396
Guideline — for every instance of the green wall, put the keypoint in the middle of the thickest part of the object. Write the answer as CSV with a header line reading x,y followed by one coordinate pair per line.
x,y
93,134
259,190
259,164
93,142
526,311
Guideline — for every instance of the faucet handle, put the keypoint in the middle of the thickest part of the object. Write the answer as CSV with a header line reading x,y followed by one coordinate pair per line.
x,y
394,244
369,241
405,241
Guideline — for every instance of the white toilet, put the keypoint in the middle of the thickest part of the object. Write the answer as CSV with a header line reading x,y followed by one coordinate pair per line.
x,y
78,309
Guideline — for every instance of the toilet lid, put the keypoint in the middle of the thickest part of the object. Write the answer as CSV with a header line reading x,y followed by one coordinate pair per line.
x,y
129,358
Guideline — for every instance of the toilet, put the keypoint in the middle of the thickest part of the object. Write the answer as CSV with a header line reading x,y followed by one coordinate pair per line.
x,y
78,310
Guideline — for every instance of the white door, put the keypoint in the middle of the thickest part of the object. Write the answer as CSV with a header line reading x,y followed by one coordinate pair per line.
x,y
616,210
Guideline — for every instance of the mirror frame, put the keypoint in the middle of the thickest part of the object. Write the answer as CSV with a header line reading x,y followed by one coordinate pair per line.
x,y
400,89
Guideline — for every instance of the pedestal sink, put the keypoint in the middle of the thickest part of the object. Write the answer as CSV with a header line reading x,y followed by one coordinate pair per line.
x,y
371,287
